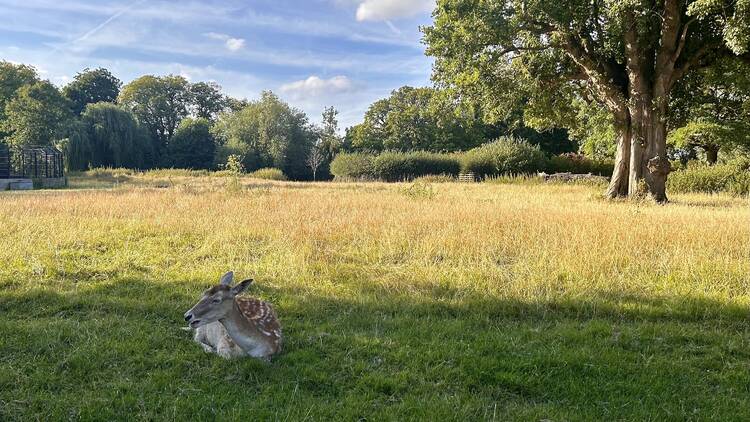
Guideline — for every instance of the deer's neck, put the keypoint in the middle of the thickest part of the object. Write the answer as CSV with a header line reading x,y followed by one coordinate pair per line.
x,y
242,331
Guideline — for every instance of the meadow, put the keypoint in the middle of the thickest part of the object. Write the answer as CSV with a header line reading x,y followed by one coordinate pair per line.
x,y
404,301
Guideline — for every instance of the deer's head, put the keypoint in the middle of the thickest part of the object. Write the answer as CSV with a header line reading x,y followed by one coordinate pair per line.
x,y
216,302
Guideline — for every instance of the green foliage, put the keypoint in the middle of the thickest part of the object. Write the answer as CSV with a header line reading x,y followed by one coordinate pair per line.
x,y
268,174
394,166
417,119
579,163
91,87
108,136
436,178
37,115
192,146
504,156
733,178
234,164
267,133
12,78
160,104
399,166
207,100
419,190
711,110
356,165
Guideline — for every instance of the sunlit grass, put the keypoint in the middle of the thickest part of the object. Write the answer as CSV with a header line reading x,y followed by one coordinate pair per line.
x,y
399,301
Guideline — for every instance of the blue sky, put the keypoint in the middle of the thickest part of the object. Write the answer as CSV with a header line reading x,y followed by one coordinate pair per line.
x,y
314,53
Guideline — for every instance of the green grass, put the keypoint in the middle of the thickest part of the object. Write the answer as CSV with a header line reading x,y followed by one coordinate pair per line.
x,y
475,302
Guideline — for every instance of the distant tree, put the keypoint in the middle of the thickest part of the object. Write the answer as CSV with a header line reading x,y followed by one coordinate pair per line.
x,y
193,145
109,136
626,56
315,159
330,140
90,87
266,133
160,104
37,115
234,105
208,101
12,78
433,120
711,110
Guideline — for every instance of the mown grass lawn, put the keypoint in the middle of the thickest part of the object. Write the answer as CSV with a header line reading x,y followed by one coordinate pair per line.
x,y
441,302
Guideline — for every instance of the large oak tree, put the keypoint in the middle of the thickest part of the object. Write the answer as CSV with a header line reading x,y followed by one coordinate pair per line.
x,y
625,55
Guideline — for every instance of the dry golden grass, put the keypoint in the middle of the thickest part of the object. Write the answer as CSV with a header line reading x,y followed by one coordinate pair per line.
x,y
537,249
526,242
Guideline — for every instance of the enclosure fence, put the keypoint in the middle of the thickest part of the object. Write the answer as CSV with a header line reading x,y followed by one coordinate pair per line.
x,y
31,162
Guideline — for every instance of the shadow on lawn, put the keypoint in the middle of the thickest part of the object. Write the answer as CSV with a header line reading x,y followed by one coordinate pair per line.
x,y
133,297
438,351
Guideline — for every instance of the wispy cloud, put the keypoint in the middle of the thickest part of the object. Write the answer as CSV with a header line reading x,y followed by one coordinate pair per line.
x,y
109,20
315,86
231,43
383,10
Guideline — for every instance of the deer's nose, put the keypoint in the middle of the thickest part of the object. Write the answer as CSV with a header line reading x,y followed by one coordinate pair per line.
x,y
188,316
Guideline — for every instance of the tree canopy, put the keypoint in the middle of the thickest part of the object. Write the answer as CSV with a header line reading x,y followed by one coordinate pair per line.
x,y
207,100
90,87
108,136
625,56
193,145
267,133
160,104
37,115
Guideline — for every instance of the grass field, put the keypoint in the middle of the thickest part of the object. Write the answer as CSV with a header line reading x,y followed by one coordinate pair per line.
x,y
399,302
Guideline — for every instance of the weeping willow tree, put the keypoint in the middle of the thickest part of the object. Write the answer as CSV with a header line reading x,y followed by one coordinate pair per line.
x,y
108,136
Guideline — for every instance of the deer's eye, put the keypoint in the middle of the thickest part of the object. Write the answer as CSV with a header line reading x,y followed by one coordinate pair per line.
x,y
216,300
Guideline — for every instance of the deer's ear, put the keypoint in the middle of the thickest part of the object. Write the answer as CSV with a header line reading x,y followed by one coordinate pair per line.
x,y
241,286
227,278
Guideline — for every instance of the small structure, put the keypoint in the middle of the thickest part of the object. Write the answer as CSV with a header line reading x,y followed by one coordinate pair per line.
x,y
31,166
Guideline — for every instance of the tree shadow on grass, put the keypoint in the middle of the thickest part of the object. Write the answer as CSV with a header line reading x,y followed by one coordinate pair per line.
x,y
380,355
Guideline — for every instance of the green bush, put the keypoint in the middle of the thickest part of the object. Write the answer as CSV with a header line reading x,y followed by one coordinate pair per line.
x,y
436,178
398,166
579,164
504,156
733,178
268,174
353,166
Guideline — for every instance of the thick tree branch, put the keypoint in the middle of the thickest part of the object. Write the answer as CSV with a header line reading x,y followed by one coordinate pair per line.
x,y
683,40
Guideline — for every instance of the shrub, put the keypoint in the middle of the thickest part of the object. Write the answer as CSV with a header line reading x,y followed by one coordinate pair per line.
x,y
436,178
733,178
268,174
504,156
353,166
579,164
397,166
234,164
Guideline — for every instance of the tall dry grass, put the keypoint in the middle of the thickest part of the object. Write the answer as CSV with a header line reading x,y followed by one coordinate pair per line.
x,y
533,244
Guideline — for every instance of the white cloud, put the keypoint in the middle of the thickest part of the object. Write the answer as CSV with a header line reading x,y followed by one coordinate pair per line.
x,y
315,86
382,10
232,44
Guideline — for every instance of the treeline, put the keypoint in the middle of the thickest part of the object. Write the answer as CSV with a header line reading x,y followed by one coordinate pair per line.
x,y
158,122
168,122
429,119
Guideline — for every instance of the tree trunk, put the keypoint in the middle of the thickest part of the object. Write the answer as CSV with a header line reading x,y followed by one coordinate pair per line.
x,y
641,166
618,185
712,155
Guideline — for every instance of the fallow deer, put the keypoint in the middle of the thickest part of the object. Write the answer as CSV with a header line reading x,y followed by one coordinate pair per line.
x,y
233,326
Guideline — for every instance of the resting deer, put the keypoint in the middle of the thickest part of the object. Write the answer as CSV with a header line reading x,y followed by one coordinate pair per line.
x,y
233,326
